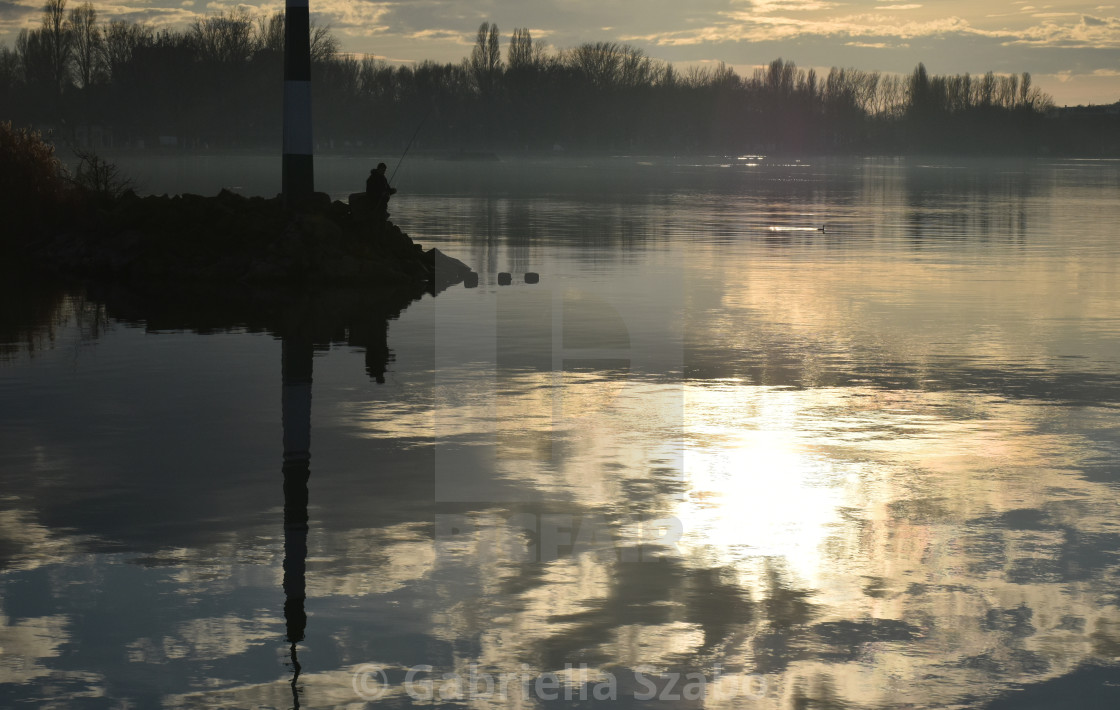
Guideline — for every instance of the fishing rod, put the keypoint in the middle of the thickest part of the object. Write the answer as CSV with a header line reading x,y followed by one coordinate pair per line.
x,y
406,148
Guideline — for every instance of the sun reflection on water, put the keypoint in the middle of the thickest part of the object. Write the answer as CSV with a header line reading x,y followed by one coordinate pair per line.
x,y
756,487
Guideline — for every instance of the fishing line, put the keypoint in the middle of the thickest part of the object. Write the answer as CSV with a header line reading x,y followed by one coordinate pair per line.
x,y
407,147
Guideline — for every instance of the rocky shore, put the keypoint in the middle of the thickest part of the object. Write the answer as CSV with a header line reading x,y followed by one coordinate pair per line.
x,y
232,240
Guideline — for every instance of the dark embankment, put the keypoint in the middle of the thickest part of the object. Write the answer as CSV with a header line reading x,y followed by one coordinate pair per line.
x,y
234,241
87,225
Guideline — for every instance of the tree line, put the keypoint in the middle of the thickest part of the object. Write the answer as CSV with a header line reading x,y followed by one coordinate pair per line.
x,y
218,84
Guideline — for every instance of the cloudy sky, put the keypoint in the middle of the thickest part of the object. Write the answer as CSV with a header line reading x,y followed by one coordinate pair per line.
x,y
1071,48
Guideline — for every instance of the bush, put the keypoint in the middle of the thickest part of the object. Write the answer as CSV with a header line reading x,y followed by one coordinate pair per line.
x,y
99,176
32,180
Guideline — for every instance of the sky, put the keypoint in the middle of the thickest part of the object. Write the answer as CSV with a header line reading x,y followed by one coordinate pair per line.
x,y
1071,49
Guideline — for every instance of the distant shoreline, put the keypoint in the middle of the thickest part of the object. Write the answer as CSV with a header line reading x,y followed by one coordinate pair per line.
x,y
390,154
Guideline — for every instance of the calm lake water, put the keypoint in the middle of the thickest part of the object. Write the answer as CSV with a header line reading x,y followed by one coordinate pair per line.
x,y
716,458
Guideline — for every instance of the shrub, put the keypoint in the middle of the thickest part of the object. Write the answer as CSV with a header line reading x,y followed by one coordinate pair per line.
x,y
32,180
99,176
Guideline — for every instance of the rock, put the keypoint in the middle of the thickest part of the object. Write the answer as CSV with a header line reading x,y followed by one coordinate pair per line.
x,y
227,196
230,238
446,270
360,205
339,269
340,211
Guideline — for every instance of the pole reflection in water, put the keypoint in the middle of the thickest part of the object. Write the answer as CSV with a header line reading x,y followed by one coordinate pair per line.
x,y
297,355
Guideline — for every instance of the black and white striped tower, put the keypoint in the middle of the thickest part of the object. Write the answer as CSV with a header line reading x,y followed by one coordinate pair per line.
x,y
298,166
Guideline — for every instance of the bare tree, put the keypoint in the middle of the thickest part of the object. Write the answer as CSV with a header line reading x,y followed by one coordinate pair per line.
x,y
780,78
88,45
270,37
894,90
1025,97
1011,91
985,90
10,71
598,62
36,61
960,93
635,68
376,77
866,87
711,76
121,41
666,76
58,41
519,55
807,85
99,176
324,45
270,32
225,38
486,57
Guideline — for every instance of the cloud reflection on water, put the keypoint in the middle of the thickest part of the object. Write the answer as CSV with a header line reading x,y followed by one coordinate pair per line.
x,y
893,467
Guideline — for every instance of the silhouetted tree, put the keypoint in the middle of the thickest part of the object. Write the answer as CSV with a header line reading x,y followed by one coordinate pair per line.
x,y
519,55
10,72
269,37
58,42
226,38
217,84
89,50
121,41
486,58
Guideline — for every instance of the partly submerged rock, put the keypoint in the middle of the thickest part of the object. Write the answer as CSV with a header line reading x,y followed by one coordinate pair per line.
x,y
446,270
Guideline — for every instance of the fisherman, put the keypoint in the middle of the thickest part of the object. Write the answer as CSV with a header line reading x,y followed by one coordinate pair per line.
x,y
378,191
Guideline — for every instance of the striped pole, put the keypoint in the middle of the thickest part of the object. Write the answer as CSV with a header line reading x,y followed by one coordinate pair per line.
x,y
298,168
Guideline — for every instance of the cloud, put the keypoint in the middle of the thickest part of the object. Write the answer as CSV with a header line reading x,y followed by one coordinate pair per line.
x,y
746,26
877,45
768,6
16,15
1089,32
354,17
877,29
158,17
453,35
897,7
1068,75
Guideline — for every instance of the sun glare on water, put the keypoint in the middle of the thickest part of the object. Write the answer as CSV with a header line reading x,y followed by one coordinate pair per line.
x,y
756,487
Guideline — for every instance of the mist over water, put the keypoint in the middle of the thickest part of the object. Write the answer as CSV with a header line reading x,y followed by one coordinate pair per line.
x,y
792,433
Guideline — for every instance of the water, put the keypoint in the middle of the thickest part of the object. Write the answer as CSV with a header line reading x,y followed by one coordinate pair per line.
x,y
716,458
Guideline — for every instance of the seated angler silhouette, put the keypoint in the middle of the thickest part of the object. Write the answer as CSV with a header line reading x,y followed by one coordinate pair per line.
x,y
378,191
